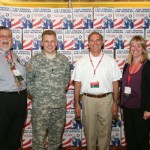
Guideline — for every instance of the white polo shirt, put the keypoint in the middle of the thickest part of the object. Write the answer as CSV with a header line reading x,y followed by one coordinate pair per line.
x,y
107,71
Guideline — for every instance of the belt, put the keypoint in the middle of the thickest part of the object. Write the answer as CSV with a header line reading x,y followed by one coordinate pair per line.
x,y
97,96
15,92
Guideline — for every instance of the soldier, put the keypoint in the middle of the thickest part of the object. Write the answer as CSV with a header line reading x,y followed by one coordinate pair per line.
x,y
48,74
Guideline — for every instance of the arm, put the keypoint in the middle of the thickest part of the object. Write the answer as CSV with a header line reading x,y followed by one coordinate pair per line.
x,y
30,78
115,96
145,90
67,75
77,98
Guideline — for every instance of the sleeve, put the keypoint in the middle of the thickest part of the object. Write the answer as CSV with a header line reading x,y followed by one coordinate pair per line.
x,y
116,72
30,77
67,77
145,89
76,76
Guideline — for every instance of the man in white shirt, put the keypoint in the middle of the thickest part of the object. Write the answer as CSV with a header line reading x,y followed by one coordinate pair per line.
x,y
96,78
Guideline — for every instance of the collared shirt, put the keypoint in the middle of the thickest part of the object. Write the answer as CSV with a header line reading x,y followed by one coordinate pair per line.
x,y
106,72
7,80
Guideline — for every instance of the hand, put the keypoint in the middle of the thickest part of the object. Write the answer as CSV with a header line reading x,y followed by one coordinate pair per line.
x,y
146,115
29,96
115,110
77,110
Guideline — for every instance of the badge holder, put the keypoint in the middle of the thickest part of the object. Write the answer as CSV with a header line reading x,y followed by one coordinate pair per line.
x,y
127,92
94,84
17,75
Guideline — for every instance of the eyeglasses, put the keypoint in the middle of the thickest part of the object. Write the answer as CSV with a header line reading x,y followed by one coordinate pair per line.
x,y
5,36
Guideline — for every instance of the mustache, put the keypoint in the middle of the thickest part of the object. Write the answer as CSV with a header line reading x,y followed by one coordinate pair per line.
x,y
5,41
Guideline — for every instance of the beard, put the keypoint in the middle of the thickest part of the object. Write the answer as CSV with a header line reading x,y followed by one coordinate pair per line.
x,y
5,45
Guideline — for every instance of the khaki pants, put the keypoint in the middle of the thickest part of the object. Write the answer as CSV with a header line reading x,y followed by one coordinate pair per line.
x,y
97,119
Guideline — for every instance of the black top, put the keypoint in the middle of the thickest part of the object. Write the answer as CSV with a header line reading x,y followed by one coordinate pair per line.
x,y
145,86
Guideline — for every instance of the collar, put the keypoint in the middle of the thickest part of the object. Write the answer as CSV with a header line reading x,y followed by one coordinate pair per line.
x,y
2,52
101,54
56,56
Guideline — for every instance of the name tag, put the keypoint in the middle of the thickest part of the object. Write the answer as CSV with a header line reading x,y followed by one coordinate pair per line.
x,y
18,75
94,84
16,72
127,92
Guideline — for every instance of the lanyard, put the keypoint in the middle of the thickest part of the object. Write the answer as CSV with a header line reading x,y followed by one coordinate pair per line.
x,y
132,70
18,77
8,57
97,64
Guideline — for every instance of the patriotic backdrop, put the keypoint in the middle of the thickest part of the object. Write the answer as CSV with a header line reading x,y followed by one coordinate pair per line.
x,y
73,25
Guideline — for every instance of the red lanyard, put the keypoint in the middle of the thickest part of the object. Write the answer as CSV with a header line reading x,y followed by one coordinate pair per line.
x,y
97,64
132,70
8,57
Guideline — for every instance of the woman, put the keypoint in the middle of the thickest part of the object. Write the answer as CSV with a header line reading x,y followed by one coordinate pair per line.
x,y
135,95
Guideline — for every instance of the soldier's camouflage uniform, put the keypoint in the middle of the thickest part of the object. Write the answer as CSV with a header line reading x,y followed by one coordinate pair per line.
x,y
46,82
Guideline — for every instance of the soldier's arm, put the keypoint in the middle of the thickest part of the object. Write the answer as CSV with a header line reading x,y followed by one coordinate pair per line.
x,y
68,73
30,77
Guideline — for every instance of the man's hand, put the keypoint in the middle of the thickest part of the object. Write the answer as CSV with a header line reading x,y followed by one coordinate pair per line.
x,y
77,110
115,110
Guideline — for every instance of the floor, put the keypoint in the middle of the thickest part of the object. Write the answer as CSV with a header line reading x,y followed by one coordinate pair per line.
x,y
111,148
75,148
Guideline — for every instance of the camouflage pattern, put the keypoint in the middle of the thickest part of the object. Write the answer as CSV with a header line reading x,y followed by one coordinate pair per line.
x,y
49,123
46,82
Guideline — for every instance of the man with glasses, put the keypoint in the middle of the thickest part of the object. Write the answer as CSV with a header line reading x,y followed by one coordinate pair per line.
x,y
13,95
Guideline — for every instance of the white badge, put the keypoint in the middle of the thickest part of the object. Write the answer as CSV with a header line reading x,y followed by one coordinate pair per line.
x,y
127,90
16,72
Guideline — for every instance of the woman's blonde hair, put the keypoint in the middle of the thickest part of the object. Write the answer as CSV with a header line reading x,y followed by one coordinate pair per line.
x,y
141,40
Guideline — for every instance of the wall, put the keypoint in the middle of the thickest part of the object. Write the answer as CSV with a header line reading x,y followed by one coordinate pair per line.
x,y
73,26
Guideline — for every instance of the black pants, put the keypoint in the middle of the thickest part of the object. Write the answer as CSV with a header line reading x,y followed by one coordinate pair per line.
x,y
13,111
136,129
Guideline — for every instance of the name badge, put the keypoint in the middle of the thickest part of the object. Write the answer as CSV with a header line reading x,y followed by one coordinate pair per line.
x,y
18,75
127,92
94,84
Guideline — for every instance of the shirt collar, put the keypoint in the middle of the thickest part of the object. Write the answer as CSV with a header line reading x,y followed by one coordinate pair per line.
x,y
2,52
57,54
101,54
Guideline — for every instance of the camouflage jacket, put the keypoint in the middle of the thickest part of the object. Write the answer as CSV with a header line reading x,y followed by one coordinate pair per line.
x,y
47,79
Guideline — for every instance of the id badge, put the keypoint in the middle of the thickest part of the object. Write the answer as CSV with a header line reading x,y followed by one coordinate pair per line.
x,y
94,84
127,92
18,75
